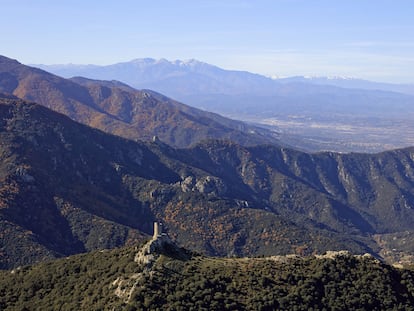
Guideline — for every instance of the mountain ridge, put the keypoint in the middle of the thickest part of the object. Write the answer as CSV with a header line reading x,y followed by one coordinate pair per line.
x,y
310,114
93,190
119,109
70,70
155,74
351,82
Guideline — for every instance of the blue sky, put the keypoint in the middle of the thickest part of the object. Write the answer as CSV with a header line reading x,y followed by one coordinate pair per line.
x,y
371,39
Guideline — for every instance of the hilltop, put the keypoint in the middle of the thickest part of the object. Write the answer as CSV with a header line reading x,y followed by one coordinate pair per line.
x,y
176,279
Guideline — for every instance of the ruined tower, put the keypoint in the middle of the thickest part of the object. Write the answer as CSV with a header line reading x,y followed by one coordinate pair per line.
x,y
157,230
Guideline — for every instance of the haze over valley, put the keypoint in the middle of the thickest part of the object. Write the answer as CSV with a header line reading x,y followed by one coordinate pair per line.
x,y
313,114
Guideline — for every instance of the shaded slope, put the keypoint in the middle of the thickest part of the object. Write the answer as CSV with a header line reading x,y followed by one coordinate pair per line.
x,y
376,190
67,188
61,189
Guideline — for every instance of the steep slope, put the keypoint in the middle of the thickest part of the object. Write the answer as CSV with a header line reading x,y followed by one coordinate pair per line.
x,y
376,186
60,191
122,110
67,188
175,279
355,195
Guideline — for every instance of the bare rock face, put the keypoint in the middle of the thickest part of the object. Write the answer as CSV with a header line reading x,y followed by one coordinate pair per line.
x,y
207,185
149,253
146,257
210,184
334,254
187,184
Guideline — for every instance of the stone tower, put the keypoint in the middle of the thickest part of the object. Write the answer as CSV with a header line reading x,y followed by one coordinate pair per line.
x,y
157,230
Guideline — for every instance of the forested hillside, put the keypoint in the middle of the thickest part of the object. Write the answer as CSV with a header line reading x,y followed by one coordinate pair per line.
x,y
175,279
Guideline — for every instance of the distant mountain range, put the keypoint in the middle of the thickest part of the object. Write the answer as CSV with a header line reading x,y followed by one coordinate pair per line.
x,y
174,79
352,83
177,78
67,188
119,109
337,114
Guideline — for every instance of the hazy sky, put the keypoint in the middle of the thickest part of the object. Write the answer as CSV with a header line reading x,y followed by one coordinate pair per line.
x,y
372,39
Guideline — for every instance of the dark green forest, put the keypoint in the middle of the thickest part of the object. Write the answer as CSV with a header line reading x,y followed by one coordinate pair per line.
x,y
180,280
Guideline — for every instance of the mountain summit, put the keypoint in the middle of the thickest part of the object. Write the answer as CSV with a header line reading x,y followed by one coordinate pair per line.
x,y
174,78
181,280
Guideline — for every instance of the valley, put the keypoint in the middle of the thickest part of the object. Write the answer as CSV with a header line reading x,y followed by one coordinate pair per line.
x,y
340,133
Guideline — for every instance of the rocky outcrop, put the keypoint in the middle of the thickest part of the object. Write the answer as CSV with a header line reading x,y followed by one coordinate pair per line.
x,y
146,257
150,252
206,184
